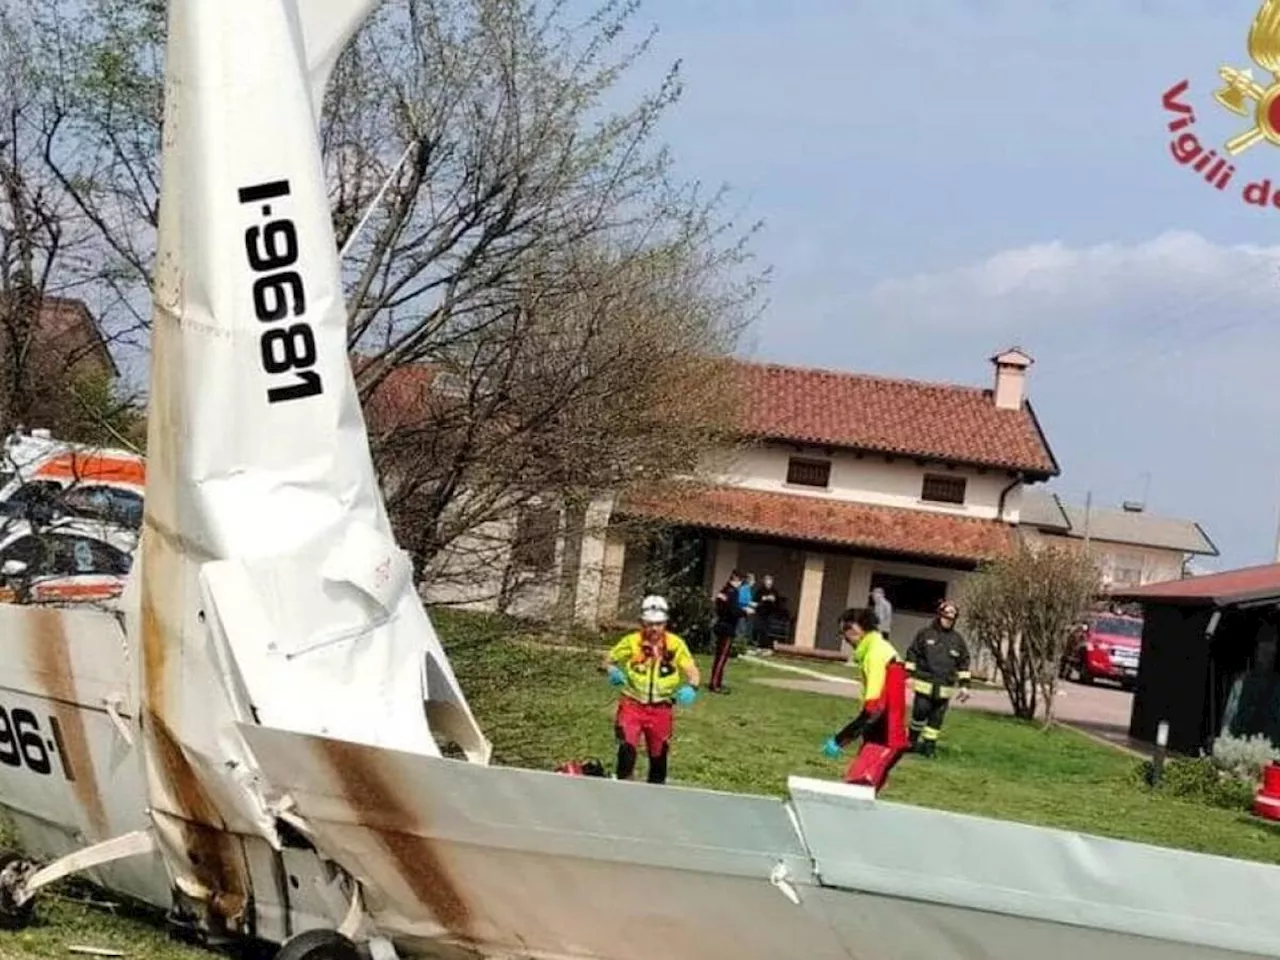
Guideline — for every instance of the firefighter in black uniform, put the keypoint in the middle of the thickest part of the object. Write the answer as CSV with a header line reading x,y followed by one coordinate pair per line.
x,y
938,663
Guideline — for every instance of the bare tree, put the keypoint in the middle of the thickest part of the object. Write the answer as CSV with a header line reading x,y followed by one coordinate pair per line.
x,y
607,386
1020,608
537,302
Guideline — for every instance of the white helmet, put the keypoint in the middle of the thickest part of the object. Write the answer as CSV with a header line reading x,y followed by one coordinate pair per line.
x,y
653,610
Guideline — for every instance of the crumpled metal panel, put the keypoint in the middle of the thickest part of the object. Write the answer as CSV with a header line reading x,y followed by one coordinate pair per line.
x,y
1192,903
543,864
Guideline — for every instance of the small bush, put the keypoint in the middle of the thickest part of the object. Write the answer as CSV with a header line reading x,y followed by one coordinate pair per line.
x,y
1244,758
1199,780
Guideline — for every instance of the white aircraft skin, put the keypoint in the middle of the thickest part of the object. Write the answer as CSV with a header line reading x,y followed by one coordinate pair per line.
x,y
252,746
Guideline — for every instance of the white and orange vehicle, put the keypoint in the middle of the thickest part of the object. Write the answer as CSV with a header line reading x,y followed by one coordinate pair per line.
x,y
48,479
70,560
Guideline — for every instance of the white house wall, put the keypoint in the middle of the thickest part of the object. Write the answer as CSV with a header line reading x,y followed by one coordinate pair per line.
x,y
869,480
1156,565
1114,559
469,574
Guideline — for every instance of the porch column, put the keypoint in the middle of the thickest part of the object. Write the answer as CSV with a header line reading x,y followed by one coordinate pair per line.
x,y
726,560
595,533
859,584
810,600
615,558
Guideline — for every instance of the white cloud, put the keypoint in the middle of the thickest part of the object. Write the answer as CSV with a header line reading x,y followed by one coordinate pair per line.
x,y
1158,357
1172,281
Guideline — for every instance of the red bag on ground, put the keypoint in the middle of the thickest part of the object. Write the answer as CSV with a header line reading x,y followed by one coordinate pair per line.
x,y
871,765
873,762
895,693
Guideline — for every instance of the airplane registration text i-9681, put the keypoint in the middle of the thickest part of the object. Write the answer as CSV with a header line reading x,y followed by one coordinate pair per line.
x,y
23,744
272,250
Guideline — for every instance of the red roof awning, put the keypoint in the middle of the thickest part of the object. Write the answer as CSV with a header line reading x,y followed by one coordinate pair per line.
x,y
1223,589
916,533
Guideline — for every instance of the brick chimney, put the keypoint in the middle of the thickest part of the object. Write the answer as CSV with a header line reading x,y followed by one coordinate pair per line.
x,y
1011,378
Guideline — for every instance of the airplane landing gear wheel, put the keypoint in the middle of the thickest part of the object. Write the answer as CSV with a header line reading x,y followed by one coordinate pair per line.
x,y
14,871
318,945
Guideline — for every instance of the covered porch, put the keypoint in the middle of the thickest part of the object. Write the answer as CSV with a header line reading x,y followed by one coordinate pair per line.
x,y
825,555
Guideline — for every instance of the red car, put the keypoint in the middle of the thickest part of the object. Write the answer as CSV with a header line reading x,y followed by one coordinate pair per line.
x,y
1107,647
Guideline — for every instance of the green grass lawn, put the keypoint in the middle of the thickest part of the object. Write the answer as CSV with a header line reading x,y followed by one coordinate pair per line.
x,y
64,921
542,706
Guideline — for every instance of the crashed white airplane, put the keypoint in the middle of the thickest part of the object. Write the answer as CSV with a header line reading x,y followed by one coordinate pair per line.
x,y
252,747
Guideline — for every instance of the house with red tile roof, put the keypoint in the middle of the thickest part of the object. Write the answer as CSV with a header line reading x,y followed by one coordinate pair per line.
x,y
841,482
848,482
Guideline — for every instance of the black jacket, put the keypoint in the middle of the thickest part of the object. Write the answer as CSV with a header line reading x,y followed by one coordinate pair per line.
x,y
939,657
766,601
728,609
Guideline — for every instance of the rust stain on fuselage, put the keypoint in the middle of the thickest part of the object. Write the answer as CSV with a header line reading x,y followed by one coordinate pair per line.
x,y
211,850
370,789
50,659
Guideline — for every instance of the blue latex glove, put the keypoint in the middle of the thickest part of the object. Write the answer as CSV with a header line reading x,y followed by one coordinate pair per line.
x,y
616,676
831,748
686,695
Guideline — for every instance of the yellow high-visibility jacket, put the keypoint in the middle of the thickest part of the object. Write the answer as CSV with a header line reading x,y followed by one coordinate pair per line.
x,y
653,673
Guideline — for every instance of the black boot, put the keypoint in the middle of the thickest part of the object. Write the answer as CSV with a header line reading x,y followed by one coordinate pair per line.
x,y
928,748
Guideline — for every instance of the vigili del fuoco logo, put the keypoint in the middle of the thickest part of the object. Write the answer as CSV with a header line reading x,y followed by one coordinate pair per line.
x,y
1242,95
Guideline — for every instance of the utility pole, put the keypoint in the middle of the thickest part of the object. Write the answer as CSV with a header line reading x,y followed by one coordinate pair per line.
x,y
1278,539
1088,510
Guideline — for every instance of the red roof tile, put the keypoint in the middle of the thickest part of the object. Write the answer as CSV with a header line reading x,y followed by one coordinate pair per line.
x,y
940,421
403,398
1230,586
819,520
828,408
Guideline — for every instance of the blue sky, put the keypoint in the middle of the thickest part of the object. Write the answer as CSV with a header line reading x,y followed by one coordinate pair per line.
x,y
942,178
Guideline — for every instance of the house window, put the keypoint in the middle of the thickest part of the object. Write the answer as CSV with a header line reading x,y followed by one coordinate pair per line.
x,y
534,549
911,594
939,488
1126,571
808,473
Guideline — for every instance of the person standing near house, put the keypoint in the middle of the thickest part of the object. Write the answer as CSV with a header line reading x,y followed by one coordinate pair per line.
x,y
938,662
747,600
765,598
655,671
882,722
725,627
883,610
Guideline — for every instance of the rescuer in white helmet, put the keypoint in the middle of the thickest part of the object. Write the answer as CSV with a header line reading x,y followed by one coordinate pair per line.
x,y
655,671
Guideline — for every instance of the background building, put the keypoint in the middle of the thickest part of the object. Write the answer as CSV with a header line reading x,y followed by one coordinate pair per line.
x,y
1133,548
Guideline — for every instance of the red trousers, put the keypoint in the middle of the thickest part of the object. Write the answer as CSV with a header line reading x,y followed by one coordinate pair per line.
x,y
653,721
886,738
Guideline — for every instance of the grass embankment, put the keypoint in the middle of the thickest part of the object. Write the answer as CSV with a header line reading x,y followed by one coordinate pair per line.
x,y
541,706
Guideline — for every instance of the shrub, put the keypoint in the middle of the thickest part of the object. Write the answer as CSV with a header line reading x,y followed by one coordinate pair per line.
x,y
1200,780
1244,758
